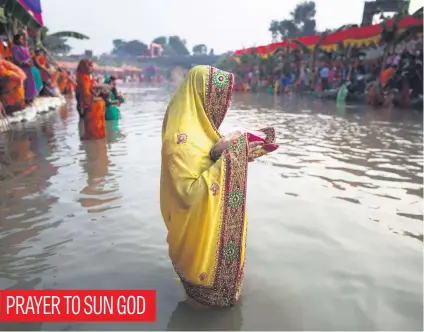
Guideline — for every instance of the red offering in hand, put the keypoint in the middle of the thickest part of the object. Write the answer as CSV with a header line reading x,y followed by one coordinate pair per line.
x,y
270,147
253,138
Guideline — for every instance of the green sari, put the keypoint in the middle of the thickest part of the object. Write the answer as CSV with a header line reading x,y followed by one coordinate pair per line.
x,y
37,79
112,111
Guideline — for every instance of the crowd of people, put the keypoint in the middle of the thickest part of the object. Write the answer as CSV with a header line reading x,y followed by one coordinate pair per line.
x,y
400,76
26,74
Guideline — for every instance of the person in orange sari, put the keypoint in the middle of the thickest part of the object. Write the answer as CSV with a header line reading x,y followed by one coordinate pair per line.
x,y
61,80
90,106
70,85
40,62
12,92
386,75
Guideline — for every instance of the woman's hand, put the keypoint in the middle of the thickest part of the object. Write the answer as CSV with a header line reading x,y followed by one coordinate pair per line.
x,y
253,146
222,145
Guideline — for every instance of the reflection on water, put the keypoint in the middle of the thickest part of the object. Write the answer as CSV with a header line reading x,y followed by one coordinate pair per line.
x,y
339,205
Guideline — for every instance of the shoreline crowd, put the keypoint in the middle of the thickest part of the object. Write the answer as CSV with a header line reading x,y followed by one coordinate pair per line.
x,y
400,76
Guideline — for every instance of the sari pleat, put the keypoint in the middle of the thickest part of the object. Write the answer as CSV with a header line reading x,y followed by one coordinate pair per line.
x,y
94,120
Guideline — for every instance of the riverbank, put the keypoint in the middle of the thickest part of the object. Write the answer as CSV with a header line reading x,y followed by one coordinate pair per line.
x,y
40,105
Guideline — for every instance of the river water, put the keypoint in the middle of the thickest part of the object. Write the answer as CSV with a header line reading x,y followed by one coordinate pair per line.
x,y
335,215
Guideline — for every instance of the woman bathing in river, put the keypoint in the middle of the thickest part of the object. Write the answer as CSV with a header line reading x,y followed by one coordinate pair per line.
x,y
203,188
90,105
115,100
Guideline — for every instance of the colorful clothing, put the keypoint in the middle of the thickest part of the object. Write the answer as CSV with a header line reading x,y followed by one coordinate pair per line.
x,y
94,120
37,78
386,75
112,111
203,202
83,91
12,86
42,62
62,82
91,108
21,56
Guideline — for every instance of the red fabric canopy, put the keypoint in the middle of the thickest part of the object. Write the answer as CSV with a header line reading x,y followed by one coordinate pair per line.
x,y
349,34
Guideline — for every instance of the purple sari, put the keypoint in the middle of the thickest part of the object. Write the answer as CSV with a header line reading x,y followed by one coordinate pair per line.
x,y
21,55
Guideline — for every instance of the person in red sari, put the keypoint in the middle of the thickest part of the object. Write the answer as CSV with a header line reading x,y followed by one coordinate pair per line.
x,y
90,106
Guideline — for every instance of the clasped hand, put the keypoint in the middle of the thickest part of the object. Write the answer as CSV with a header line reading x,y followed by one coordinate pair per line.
x,y
224,143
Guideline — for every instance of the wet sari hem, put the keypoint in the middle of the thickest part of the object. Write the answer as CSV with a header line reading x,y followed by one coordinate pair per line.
x,y
229,269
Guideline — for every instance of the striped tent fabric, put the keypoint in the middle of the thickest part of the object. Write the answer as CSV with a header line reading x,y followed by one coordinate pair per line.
x,y
34,8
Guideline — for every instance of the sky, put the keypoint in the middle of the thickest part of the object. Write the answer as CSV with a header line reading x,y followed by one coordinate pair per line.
x,y
224,25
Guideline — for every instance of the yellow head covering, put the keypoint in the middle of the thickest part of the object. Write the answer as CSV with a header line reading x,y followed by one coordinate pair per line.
x,y
203,202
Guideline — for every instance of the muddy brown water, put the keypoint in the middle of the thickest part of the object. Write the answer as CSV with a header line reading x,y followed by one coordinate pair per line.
x,y
335,215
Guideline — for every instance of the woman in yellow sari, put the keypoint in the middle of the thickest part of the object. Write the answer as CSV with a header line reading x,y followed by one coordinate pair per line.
x,y
203,188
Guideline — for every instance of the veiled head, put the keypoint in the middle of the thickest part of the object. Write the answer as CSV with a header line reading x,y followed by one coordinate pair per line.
x,y
215,88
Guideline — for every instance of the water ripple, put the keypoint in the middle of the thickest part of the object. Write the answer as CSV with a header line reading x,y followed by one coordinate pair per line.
x,y
335,215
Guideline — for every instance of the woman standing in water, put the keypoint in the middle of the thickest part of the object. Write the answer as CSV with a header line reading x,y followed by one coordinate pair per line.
x,y
203,188
115,100
90,107
22,57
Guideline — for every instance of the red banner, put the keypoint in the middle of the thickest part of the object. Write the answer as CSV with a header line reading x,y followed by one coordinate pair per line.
x,y
77,305
359,36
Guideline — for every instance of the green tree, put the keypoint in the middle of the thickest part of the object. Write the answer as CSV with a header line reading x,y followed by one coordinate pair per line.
x,y
274,29
288,29
57,42
162,40
118,46
301,22
178,45
200,49
304,18
132,48
136,48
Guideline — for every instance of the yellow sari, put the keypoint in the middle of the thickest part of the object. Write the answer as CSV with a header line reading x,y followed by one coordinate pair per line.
x,y
203,202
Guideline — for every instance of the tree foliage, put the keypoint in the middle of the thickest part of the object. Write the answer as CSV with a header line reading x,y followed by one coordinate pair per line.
x,y
57,42
178,45
301,22
129,48
162,40
200,49
173,45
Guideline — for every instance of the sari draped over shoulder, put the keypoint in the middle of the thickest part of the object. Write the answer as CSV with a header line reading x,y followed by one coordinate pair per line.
x,y
112,111
92,109
84,87
203,202
12,86
20,56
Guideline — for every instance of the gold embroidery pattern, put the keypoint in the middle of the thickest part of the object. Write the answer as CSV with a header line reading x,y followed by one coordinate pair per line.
x,y
203,276
219,89
214,188
181,139
228,275
270,134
